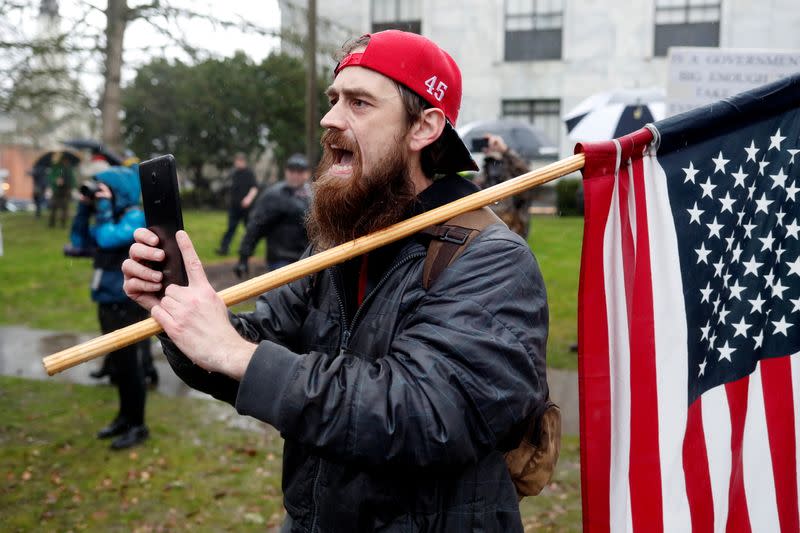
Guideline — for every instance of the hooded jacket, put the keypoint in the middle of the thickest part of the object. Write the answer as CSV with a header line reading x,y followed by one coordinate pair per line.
x,y
396,412
111,233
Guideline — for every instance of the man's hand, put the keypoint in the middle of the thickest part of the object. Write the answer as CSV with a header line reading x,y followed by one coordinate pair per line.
x,y
142,283
196,320
496,144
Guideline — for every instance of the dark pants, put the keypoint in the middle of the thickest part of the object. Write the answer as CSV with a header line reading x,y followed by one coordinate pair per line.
x,y
126,362
59,207
235,216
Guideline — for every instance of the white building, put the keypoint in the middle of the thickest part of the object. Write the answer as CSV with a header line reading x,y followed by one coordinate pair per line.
x,y
536,59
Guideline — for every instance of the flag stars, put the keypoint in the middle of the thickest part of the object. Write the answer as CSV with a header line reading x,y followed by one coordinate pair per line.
x,y
713,229
707,188
702,254
702,368
748,229
736,253
776,140
778,253
791,191
736,290
694,214
759,339
796,304
741,328
779,179
767,242
739,176
778,289
781,326
780,215
751,152
690,172
723,314
761,166
727,203
792,230
792,152
719,163
750,267
794,267
706,293
763,204
704,330
757,304
718,266
726,351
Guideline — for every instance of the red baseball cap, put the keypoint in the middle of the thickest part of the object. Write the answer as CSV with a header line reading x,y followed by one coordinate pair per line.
x,y
427,70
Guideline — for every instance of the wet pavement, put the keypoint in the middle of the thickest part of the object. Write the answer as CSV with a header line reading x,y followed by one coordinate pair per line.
x,y
22,350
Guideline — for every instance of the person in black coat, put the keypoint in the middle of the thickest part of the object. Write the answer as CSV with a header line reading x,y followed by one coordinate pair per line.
x,y
243,192
396,401
279,216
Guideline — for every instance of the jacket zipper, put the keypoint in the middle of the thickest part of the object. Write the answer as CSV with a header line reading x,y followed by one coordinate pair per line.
x,y
368,297
343,344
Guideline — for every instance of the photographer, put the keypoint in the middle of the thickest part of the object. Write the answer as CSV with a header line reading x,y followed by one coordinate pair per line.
x,y
108,214
500,164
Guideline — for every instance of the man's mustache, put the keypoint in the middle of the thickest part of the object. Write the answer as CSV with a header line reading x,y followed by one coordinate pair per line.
x,y
340,140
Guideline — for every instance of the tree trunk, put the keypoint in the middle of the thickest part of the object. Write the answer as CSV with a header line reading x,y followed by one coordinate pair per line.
x,y
116,21
312,118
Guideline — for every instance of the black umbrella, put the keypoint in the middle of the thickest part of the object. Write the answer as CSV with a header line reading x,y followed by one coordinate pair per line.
x,y
96,147
48,158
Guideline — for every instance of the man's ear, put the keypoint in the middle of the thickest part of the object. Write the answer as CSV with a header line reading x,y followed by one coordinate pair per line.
x,y
426,129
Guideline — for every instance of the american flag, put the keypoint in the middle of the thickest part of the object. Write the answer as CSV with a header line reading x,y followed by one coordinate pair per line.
x,y
689,318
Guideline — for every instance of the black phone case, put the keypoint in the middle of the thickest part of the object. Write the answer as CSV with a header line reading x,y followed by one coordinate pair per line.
x,y
162,212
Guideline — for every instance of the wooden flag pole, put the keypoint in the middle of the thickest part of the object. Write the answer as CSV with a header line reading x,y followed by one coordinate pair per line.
x,y
128,335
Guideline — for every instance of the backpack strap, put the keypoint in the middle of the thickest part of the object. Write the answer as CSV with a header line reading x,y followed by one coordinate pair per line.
x,y
450,239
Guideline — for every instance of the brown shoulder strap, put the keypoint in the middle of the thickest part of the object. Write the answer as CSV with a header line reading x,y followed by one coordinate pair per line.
x,y
450,239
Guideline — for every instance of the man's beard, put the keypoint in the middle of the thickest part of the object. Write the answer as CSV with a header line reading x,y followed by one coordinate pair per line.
x,y
343,209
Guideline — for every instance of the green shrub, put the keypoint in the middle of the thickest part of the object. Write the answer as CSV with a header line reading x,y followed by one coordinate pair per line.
x,y
567,197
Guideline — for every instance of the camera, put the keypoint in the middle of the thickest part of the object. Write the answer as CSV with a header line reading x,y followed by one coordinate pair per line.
x,y
480,143
89,188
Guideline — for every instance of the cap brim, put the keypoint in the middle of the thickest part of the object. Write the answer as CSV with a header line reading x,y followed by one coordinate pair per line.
x,y
455,156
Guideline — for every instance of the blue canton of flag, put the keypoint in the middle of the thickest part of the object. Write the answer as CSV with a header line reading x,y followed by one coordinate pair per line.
x,y
737,215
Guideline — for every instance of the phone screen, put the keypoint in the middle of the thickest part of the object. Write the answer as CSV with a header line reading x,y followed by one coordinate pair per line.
x,y
162,212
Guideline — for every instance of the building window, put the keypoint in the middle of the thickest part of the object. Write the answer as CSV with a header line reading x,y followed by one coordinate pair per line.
x,y
533,29
544,114
686,23
403,15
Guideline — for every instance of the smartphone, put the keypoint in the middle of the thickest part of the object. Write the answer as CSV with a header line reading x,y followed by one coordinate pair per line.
x,y
479,144
162,212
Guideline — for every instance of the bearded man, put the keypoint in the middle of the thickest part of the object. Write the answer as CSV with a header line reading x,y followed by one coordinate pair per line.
x,y
396,401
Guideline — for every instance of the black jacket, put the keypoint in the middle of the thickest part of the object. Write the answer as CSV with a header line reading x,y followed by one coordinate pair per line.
x,y
279,215
396,416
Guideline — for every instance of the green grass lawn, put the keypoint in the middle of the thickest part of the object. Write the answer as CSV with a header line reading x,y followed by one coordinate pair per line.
x,y
41,288
196,473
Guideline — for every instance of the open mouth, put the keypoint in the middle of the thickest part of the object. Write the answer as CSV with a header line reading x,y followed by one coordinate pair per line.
x,y
342,159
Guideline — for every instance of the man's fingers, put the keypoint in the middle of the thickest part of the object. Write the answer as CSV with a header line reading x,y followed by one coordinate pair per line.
x,y
164,319
145,236
194,268
133,269
140,286
142,252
